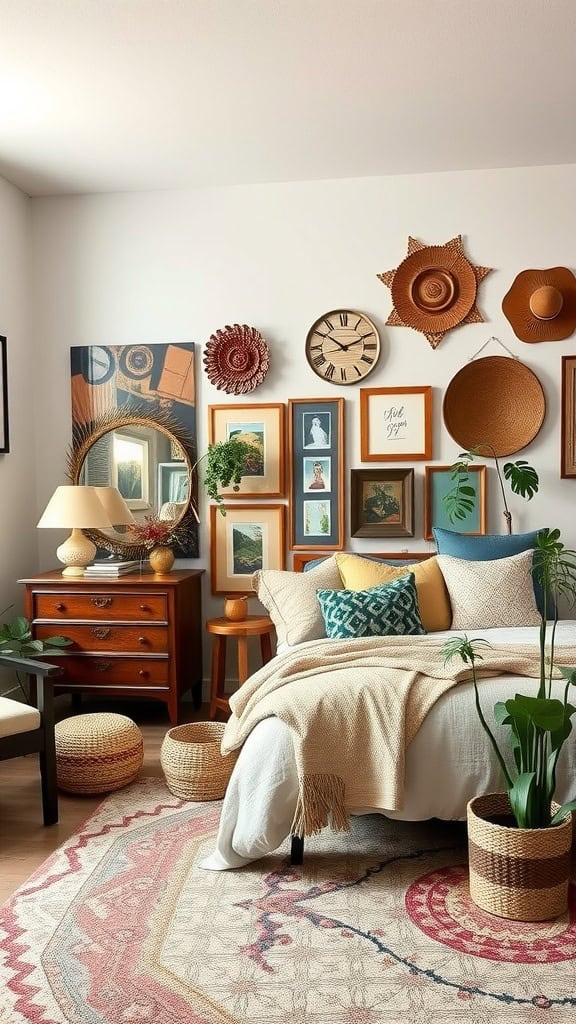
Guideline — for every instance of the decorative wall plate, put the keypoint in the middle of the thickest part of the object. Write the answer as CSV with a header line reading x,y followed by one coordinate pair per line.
x,y
434,289
236,359
494,401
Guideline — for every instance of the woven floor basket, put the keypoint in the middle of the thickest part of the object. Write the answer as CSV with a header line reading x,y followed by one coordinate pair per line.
x,y
97,753
521,874
192,763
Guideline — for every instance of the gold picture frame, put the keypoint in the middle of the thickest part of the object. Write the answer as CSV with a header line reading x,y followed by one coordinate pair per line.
x,y
246,539
263,426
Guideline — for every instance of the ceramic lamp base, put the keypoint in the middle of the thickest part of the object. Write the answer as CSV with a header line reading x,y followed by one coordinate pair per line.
x,y
76,553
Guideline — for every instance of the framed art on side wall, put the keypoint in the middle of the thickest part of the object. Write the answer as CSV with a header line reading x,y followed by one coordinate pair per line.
x,y
262,427
438,482
246,539
395,424
568,446
316,454
382,503
4,442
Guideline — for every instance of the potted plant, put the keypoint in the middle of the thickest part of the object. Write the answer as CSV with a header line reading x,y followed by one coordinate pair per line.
x,y
226,463
16,641
519,841
459,501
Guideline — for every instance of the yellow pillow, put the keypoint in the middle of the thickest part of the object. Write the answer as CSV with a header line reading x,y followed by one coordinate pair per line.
x,y
435,611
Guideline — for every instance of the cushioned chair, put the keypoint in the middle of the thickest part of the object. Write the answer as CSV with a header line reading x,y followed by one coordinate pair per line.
x,y
30,730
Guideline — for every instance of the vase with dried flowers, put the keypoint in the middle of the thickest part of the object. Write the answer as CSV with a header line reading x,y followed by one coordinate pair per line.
x,y
157,536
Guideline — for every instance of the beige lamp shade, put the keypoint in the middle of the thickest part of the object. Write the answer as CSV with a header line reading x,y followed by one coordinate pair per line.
x,y
75,507
118,512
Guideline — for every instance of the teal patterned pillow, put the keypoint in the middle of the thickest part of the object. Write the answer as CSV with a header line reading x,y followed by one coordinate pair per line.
x,y
390,609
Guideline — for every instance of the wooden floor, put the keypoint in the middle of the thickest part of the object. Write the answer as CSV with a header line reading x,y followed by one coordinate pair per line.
x,y
24,842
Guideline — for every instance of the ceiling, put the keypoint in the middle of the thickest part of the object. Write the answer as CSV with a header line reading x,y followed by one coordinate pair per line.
x,y
117,95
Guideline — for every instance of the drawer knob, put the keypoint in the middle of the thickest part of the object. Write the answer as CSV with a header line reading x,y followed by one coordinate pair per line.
x,y
143,673
101,632
60,607
102,666
101,602
142,640
144,608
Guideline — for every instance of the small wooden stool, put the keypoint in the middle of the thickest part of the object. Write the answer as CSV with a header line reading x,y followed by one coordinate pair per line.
x,y
252,625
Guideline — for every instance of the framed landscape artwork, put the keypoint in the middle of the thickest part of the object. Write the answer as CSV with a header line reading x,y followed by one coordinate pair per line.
x,y
4,444
438,482
382,503
395,424
246,539
316,456
261,426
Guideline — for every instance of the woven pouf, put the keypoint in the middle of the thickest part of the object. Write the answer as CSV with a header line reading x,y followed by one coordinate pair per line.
x,y
192,763
97,753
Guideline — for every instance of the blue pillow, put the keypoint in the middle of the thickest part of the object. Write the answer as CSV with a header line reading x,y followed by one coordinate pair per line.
x,y
488,547
390,609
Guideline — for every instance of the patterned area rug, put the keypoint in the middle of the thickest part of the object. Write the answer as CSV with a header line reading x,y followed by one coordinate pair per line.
x,y
120,926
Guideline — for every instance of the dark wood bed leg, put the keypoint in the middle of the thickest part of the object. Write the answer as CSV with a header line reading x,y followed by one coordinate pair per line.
x,y
297,850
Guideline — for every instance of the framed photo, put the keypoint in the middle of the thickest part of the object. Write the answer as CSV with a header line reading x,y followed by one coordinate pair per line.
x,y
4,442
130,474
382,503
438,481
568,445
173,483
261,426
395,424
246,539
316,456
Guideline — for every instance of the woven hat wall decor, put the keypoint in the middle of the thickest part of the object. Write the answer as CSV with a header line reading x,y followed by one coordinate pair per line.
x,y
541,304
434,289
236,359
495,401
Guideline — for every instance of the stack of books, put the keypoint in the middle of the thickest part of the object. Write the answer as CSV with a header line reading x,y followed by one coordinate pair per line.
x,y
105,570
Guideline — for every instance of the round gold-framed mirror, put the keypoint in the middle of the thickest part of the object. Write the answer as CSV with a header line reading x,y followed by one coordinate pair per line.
x,y
150,460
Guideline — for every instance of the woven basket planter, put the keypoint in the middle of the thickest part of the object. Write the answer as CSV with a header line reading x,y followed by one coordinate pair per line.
x,y
192,763
518,873
97,753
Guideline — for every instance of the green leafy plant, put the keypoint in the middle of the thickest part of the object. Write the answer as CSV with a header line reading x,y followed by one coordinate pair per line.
x,y
16,639
539,725
459,501
226,463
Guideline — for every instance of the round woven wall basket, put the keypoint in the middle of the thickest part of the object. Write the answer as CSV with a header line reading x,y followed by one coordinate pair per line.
x,y
495,401
518,873
192,763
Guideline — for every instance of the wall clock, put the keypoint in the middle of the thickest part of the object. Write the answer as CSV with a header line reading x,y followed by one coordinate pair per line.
x,y
342,346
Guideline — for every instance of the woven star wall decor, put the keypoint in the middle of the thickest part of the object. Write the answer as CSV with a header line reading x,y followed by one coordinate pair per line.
x,y
434,289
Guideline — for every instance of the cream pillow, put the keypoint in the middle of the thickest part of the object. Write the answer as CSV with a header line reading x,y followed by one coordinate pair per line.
x,y
487,594
434,605
291,602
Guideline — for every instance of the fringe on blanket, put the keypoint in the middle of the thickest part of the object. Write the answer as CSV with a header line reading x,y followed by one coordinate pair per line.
x,y
320,802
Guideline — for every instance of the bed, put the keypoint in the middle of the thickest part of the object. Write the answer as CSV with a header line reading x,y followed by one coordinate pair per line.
x,y
447,763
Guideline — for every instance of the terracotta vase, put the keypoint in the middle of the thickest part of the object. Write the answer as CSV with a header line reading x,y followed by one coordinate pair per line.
x,y
236,608
161,559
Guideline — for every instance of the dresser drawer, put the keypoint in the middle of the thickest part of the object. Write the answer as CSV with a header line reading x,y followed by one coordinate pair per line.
x,y
110,637
101,671
100,605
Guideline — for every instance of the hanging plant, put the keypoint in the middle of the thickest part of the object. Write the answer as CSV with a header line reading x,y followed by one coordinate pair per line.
x,y
226,462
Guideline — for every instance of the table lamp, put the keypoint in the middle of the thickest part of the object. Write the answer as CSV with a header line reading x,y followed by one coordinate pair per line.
x,y
75,507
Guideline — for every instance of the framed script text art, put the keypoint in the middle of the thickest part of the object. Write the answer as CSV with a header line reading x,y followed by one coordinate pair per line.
x,y
4,441
568,446
382,503
395,424
438,482
316,454
261,426
246,539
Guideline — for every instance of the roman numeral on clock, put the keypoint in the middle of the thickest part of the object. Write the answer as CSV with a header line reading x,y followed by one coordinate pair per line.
x,y
329,371
343,319
319,360
366,359
329,324
370,345
342,373
315,348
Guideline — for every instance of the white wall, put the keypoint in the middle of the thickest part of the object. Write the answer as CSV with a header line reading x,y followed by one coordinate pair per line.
x,y
18,551
175,266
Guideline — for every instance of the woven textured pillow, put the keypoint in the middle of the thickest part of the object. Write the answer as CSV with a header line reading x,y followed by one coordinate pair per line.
x,y
488,594
291,602
360,573
390,609
489,546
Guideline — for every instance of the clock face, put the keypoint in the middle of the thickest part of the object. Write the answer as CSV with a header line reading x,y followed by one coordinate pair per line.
x,y
342,346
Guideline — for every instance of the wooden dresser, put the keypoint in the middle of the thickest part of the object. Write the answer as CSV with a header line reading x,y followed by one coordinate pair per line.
x,y
139,635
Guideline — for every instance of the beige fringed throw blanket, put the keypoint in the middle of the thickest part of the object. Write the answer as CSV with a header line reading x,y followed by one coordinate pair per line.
x,y
353,706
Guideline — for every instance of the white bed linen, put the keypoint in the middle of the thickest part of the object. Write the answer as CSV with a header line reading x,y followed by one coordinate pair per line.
x,y
449,761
